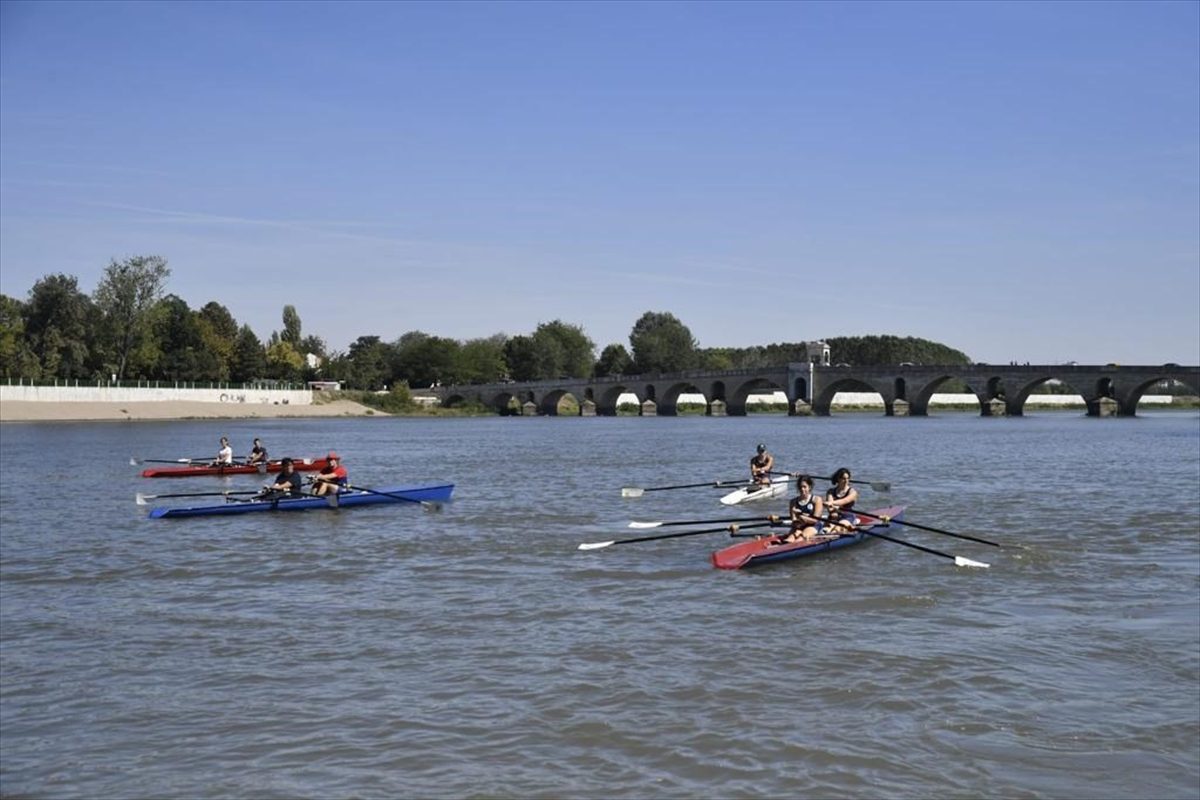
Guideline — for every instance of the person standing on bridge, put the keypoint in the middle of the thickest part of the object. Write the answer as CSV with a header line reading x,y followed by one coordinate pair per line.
x,y
761,464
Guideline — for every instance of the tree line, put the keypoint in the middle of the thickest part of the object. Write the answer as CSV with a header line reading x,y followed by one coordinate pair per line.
x,y
130,328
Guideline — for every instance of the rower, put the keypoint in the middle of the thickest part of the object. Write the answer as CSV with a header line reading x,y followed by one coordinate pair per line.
x,y
839,501
805,510
258,453
331,478
288,484
225,455
760,466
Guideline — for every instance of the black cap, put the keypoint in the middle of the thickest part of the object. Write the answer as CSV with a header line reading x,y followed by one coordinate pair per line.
x,y
762,448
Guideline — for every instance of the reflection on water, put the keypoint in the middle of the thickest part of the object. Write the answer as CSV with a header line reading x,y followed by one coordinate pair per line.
x,y
389,651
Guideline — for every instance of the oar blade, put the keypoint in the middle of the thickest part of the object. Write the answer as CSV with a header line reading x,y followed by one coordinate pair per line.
x,y
133,462
632,491
595,545
641,525
881,486
959,561
140,499
431,506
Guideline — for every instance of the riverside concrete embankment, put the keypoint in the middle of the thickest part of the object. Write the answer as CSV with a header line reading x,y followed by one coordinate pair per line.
x,y
104,402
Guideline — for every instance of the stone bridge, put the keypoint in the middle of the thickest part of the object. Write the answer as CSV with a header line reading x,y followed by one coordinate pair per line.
x,y
810,388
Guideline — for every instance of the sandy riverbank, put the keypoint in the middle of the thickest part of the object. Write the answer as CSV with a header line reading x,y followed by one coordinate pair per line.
x,y
27,411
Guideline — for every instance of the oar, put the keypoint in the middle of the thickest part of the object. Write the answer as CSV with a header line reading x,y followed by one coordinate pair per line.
x,y
266,496
927,528
428,505
769,518
637,491
879,486
142,498
133,462
959,561
730,528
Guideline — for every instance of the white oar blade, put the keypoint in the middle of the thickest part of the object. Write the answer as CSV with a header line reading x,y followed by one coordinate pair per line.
x,y
632,491
645,524
595,545
133,462
141,498
959,561
430,505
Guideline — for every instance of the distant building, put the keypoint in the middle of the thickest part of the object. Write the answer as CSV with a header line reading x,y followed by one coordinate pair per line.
x,y
817,353
325,386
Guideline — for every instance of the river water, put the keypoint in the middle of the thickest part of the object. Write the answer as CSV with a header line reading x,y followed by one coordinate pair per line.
x,y
390,651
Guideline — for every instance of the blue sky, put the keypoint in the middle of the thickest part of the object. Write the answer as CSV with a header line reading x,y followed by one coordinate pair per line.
x,y
1016,180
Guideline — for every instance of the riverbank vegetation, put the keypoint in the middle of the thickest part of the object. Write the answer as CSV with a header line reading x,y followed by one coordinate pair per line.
x,y
131,329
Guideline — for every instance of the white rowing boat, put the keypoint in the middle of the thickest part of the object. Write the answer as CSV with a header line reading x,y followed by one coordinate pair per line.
x,y
778,487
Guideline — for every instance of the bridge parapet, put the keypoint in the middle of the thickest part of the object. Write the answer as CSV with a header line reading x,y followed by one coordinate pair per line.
x,y
908,387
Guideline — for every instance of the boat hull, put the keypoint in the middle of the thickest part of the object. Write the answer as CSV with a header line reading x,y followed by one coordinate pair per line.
x,y
768,550
193,470
750,494
392,494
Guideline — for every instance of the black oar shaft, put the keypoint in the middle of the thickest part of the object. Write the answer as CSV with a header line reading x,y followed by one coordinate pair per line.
x,y
198,494
730,528
909,544
691,485
931,530
774,518
390,494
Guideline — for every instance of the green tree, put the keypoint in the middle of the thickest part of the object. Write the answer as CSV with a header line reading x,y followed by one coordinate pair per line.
x,y
219,333
521,356
891,350
661,343
564,351
422,360
16,359
614,360
368,358
481,360
126,297
249,362
183,355
291,327
56,319
283,361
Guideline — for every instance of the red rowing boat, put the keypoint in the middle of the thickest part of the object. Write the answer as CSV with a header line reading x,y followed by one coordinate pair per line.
x,y
192,470
768,549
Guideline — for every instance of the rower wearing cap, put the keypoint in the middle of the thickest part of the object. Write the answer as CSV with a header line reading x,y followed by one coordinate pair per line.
x,y
761,465
332,477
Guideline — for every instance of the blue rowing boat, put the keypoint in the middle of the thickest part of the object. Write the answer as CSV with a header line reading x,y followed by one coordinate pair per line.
x,y
768,549
433,492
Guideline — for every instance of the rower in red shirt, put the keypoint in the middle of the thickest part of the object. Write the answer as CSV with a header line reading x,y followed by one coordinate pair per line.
x,y
330,479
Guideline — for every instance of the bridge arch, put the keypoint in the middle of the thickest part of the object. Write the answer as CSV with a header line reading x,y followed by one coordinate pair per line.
x,y
668,405
822,403
735,405
551,400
